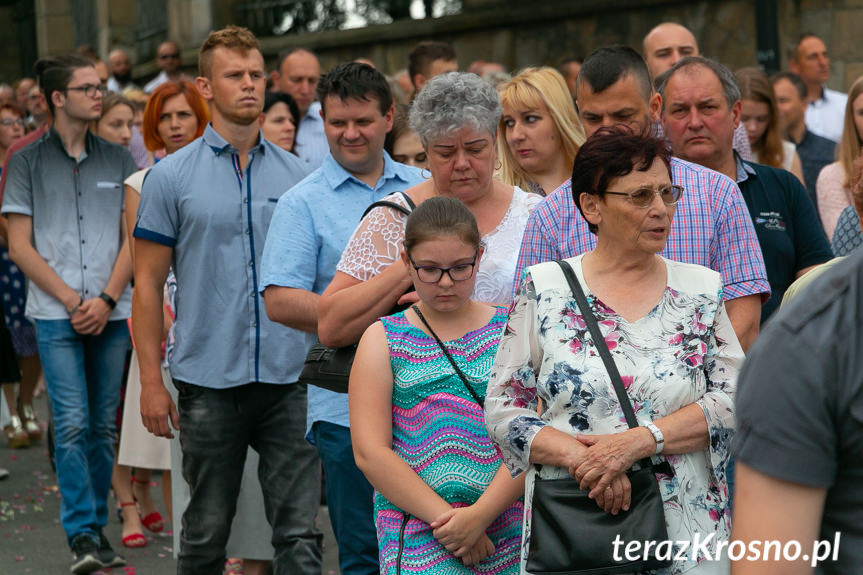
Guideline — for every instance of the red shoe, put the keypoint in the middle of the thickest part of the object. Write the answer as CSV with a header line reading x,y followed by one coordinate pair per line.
x,y
133,540
153,522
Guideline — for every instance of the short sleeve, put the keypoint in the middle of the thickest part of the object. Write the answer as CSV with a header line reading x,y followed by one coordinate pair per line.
x,y
376,243
18,197
735,252
784,422
290,252
158,212
511,397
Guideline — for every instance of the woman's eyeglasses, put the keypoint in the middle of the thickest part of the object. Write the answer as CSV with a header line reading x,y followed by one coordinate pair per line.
x,y
643,197
432,274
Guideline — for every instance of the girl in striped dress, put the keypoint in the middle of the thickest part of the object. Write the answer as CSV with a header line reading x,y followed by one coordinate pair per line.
x,y
444,503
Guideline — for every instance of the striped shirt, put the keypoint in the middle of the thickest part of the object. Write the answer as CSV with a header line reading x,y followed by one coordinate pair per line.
x,y
711,227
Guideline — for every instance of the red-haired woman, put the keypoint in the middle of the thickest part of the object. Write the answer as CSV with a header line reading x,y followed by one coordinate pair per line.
x,y
175,116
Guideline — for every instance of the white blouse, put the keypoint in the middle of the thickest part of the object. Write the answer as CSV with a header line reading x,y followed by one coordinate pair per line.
x,y
377,242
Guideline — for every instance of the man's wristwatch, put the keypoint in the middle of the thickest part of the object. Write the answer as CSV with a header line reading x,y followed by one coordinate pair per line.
x,y
657,435
108,300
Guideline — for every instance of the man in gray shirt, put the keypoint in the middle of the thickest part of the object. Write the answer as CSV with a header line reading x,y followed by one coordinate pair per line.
x,y
799,443
64,201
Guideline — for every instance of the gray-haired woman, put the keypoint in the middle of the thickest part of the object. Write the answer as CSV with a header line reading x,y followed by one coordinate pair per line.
x,y
456,117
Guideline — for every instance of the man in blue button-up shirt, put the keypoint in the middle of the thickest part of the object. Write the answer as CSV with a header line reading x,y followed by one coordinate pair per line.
x,y
310,228
206,210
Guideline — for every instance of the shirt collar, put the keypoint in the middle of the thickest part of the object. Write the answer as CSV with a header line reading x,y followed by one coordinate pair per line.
x,y
313,112
336,175
220,145
54,137
744,170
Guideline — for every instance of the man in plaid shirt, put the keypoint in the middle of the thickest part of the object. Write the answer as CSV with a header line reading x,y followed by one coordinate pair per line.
x,y
711,225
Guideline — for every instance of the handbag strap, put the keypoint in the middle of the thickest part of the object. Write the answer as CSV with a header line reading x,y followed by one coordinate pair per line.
x,y
458,370
386,203
602,348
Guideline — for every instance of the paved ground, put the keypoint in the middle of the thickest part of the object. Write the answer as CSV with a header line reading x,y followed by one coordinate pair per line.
x,y
32,541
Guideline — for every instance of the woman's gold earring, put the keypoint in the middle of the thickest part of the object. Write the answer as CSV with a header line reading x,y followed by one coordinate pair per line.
x,y
423,173
499,166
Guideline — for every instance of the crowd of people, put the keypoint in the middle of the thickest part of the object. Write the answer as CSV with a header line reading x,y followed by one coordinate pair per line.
x,y
184,246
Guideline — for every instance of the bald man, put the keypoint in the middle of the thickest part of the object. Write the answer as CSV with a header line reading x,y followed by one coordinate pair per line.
x,y
121,71
168,58
299,72
663,47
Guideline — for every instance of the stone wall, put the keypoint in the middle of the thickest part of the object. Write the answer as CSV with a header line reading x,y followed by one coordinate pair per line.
x,y
523,33
517,33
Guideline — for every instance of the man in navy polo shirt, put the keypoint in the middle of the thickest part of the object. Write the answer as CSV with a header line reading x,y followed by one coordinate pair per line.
x,y
311,226
700,111
206,210
64,201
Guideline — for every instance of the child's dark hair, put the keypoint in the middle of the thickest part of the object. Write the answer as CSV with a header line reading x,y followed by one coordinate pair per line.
x,y
441,216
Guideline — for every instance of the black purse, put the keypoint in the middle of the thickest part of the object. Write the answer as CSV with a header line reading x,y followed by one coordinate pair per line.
x,y
330,367
570,534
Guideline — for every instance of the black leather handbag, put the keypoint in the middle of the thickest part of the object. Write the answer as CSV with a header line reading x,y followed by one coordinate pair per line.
x,y
570,534
330,367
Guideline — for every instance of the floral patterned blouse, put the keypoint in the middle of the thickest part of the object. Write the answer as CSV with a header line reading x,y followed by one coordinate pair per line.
x,y
683,351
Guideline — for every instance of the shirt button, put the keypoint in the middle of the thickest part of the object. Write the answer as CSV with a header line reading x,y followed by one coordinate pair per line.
x,y
245,200
252,264
252,294
254,324
247,232
83,241
85,267
80,217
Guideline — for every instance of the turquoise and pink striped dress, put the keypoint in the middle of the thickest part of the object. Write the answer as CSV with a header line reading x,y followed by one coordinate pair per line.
x,y
439,430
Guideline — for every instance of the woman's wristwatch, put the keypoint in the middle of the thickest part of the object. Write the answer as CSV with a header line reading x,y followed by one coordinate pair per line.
x,y
657,435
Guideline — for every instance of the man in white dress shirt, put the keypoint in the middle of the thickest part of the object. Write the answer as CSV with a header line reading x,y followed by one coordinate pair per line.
x,y
825,113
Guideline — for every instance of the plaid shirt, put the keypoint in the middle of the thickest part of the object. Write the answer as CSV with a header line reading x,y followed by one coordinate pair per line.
x,y
711,228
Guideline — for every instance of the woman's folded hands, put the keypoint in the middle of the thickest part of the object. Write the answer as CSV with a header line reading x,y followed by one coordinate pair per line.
x,y
602,467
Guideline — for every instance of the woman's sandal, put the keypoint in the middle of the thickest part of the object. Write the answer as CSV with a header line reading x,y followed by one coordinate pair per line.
x,y
133,540
153,522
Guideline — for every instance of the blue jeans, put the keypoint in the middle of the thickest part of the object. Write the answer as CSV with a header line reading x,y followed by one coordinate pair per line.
x,y
83,375
350,498
216,428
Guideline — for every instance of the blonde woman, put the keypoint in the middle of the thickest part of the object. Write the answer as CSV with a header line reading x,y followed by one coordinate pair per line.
x,y
833,188
539,132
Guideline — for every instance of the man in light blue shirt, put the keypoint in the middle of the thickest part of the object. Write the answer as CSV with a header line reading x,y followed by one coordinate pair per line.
x,y
299,72
205,210
311,226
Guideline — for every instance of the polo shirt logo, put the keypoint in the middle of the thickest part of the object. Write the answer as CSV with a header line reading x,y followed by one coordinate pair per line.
x,y
771,221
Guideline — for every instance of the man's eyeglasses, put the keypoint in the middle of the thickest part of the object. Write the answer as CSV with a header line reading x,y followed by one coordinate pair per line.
x,y
432,274
11,122
643,197
89,90
171,56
